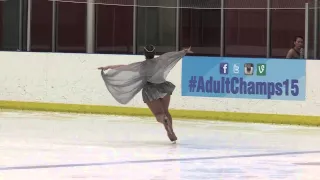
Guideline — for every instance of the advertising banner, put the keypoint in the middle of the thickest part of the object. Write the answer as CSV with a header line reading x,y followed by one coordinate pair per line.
x,y
250,78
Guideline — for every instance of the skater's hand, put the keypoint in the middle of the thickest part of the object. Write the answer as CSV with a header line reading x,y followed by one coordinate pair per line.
x,y
188,50
104,68
110,67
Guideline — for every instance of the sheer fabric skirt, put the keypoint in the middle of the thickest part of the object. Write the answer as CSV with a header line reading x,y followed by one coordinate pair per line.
x,y
153,91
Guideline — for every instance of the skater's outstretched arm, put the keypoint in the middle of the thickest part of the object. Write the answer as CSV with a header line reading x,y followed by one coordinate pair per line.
x,y
110,67
174,54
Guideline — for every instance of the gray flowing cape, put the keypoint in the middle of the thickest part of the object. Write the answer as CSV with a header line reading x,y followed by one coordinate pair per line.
x,y
126,81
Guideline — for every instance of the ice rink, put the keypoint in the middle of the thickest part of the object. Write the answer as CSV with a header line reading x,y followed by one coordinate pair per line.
x,y
50,146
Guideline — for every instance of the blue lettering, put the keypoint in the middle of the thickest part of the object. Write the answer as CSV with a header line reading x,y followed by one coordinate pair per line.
x,y
251,88
216,86
270,89
279,89
234,88
200,84
294,87
236,85
222,84
243,86
209,85
261,88
286,87
228,85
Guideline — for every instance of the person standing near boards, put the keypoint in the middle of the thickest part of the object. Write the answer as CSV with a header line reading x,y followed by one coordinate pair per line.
x,y
149,75
297,51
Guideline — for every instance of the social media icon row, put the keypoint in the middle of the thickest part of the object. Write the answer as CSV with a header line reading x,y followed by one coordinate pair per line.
x,y
248,69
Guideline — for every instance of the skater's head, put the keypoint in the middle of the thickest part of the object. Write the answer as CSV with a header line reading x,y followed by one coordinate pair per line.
x,y
149,51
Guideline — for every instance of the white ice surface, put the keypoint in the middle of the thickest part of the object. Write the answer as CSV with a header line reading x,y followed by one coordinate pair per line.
x,y
53,146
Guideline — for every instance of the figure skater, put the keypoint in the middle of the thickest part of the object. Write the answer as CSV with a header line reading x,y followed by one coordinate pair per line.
x,y
125,81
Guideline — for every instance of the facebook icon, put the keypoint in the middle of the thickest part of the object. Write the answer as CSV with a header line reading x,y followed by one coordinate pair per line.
x,y
224,68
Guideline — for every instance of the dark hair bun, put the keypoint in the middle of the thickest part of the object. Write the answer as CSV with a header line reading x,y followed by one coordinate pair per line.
x,y
149,48
149,51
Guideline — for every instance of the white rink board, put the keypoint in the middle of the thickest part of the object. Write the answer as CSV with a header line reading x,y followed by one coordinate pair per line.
x,y
74,78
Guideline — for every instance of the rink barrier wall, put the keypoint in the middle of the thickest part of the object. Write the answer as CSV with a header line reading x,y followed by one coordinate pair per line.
x,y
66,82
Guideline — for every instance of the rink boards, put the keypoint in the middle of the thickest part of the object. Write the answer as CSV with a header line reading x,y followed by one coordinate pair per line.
x,y
71,83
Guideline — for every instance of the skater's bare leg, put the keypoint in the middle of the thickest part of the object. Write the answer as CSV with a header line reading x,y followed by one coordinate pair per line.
x,y
166,102
158,111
